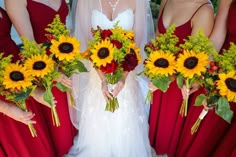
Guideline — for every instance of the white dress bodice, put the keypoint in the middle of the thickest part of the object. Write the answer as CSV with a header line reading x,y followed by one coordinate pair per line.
x,y
125,19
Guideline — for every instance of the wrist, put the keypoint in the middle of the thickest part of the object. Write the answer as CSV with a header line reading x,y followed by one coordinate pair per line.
x,y
4,108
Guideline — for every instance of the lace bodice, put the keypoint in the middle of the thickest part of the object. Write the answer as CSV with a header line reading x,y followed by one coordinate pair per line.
x,y
125,18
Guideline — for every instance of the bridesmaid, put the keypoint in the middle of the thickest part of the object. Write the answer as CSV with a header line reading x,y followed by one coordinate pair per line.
x,y
15,137
213,128
37,15
223,34
165,121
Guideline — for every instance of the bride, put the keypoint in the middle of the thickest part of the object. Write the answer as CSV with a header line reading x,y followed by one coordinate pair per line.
x,y
123,133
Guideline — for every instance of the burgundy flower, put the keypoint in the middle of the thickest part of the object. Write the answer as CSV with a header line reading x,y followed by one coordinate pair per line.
x,y
130,62
106,34
109,68
117,44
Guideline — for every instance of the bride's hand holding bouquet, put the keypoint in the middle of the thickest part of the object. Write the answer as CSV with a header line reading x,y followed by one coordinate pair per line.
x,y
113,54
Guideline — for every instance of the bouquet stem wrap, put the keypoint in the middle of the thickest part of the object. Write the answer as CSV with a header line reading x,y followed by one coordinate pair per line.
x,y
196,125
48,96
184,106
112,103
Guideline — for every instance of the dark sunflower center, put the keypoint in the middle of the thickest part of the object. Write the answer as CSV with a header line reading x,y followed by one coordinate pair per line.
x,y
39,65
66,47
231,84
103,53
191,62
161,62
16,76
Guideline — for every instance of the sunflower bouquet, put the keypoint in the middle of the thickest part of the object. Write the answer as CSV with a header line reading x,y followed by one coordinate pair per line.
x,y
159,66
65,50
113,52
192,63
43,68
16,84
220,84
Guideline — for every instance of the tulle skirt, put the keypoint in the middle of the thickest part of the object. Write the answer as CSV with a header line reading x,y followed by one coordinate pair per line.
x,y
123,133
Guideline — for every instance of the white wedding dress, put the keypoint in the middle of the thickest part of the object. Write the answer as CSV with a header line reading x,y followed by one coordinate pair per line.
x,y
123,133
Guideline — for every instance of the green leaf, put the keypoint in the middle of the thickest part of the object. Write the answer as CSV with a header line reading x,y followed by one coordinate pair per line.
x,y
48,96
23,95
180,81
61,87
162,83
223,110
200,100
81,67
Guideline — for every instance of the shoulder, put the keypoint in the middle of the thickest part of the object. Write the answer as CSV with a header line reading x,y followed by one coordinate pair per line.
x,y
205,12
16,2
204,18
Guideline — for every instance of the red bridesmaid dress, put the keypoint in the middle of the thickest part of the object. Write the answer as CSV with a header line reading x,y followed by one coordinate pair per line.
x,y
165,121
213,129
227,146
41,15
15,137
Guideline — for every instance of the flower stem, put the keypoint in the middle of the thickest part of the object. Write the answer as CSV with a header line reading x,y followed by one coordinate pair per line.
x,y
71,98
196,125
55,117
149,97
184,106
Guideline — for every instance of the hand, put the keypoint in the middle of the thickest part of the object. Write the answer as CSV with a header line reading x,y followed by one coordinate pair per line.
x,y
19,115
38,96
65,81
105,90
119,86
207,106
152,87
186,93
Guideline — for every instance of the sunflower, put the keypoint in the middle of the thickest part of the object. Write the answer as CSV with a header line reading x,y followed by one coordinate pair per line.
x,y
16,77
227,86
39,65
102,53
135,50
161,63
67,48
128,34
190,63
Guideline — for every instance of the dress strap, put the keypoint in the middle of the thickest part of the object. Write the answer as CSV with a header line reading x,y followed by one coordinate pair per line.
x,y
164,7
198,9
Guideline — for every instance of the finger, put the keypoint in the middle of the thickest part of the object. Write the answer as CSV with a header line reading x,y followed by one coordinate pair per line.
x,y
109,95
104,94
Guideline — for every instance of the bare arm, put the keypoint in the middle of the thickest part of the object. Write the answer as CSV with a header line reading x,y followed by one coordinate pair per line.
x,y
204,20
220,29
16,113
18,13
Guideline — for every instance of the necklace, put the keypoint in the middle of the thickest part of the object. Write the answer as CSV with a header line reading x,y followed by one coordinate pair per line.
x,y
113,6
